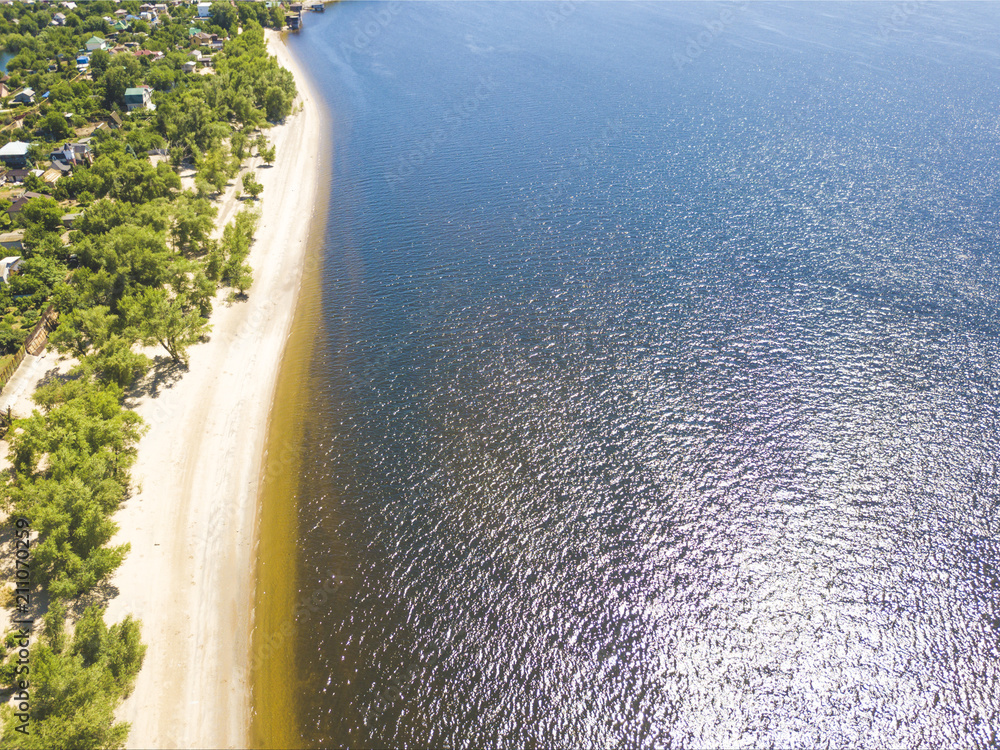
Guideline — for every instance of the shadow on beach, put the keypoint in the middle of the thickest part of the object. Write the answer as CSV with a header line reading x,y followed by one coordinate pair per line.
x,y
162,375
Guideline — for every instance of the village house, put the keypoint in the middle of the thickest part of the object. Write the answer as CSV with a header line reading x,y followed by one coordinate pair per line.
x,y
11,264
189,66
15,154
20,201
82,151
139,97
73,153
95,42
204,10
51,176
59,19
24,97
15,176
203,39
13,240
62,154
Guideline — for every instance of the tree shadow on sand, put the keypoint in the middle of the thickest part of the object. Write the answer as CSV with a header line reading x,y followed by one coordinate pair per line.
x,y
54,375
164,373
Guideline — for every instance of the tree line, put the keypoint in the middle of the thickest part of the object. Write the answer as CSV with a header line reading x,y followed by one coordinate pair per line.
x,y
140,267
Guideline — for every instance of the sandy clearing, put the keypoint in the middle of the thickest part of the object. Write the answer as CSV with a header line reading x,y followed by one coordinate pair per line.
x,y
189,575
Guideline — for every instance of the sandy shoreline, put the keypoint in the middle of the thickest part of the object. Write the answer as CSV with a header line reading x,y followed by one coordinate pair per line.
x,y
189,575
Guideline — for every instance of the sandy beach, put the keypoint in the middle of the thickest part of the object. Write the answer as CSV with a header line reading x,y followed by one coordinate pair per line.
x,y
191,519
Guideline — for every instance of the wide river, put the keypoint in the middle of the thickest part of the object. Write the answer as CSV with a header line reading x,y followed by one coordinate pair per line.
x,y
658,399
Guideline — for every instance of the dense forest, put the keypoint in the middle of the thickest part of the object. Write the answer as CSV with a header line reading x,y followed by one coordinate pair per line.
x,y
128,259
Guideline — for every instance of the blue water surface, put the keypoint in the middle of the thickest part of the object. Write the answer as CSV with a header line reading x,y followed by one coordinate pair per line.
x,y
658,402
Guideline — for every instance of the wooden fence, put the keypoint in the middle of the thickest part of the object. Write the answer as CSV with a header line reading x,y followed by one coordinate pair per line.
x,y
34,344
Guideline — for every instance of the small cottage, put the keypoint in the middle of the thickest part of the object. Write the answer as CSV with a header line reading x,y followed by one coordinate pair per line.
x,y
10,266
13,241
15,154
20,201
139,97
24,97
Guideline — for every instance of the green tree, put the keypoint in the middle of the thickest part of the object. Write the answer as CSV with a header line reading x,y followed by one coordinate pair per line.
x,y
90,634
75,690
217,167
72,706
238,144
277,17
224,15
277,104
115,362
251,186
159,319
73,527
124,652
124,72
161,77
54,630
99,61
240,276
124,259
43,213
82,329
102,216
55,125
192,221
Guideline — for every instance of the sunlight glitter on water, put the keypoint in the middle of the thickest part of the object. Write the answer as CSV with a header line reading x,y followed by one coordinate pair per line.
x,y
678,432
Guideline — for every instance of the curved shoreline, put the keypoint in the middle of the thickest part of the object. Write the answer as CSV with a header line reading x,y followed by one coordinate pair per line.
x,y
191,522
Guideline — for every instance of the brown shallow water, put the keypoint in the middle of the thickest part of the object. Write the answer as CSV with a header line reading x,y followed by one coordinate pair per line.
x,y
279,608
